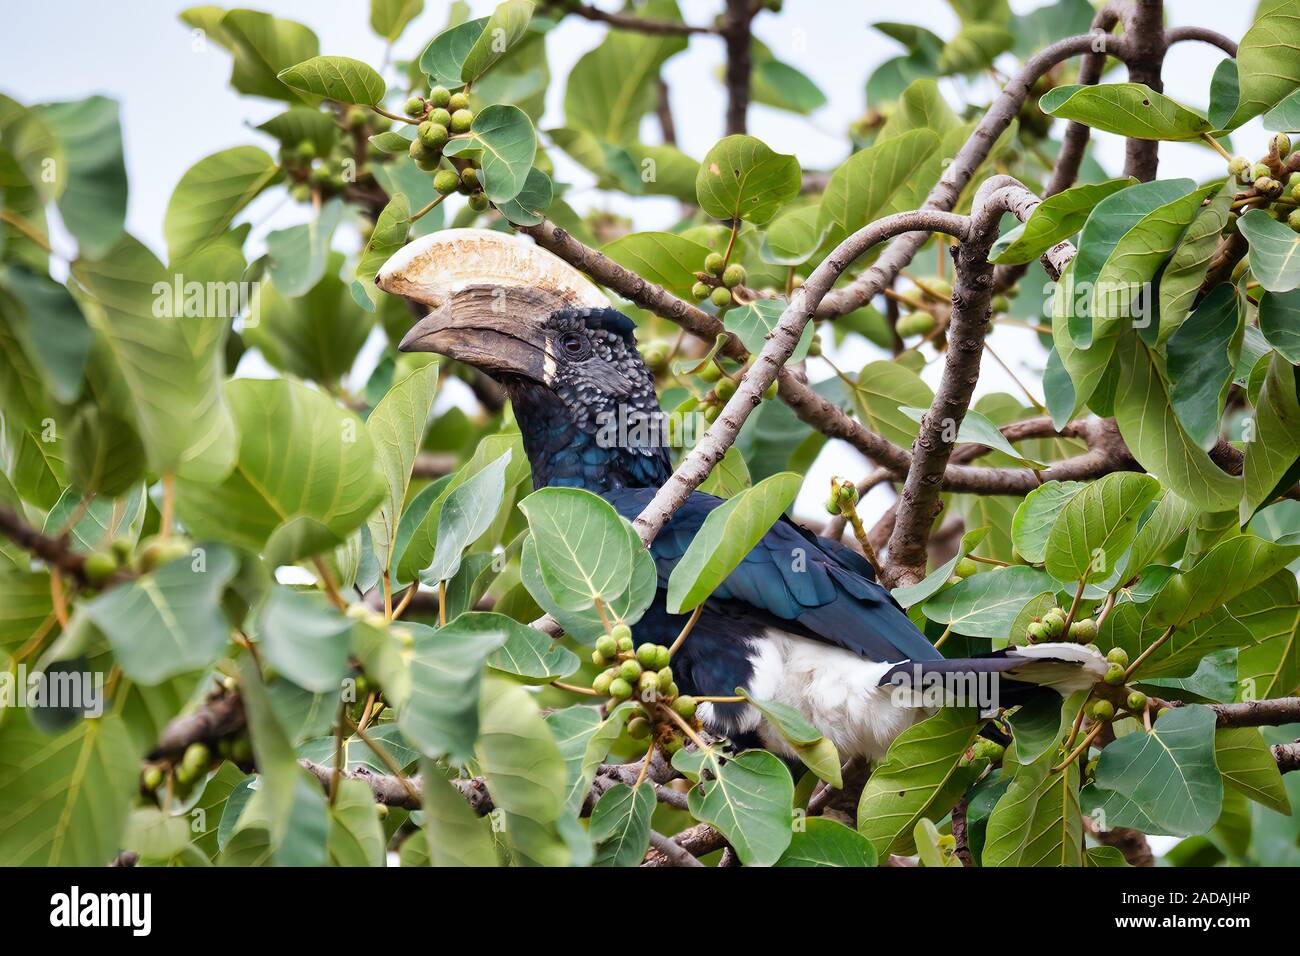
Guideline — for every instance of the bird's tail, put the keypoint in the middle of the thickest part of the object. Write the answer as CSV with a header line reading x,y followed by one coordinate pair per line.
x,y
998,679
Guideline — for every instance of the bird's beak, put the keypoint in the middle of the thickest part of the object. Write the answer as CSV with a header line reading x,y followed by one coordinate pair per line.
x,y
499,344
489,294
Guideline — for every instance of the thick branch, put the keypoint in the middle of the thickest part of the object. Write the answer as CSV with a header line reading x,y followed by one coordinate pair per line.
x,y
958,173
53,551
1144,36
222,715
1287,756
1259,713
1203,34
673,853
781,342
736,32
387,789
698,840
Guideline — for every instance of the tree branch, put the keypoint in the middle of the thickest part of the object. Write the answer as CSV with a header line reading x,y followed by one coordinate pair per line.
x,y
736,33
1204,35
635,24
673,853
1287,756
698,840
1144,37
55,552
1258,713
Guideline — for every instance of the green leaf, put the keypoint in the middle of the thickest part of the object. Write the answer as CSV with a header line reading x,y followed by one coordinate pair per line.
x,y
879,394
388,18
1274,251
1273,444
584,740
262,46
211,193
1170,772
749,801
518,649
1279,320
315,336
1267,60
586,551
168,622
508,143
64,800
753,324
920,777
507,25
586,624
978,430
613,86
356,837
1097,525
50,330
1230,568
974,48
1055,219
93,522
936,579
296,256
741,178
793,236
824,842
530,206
444,58
620,824
305,638
525,773
441,716
728,534
986,604
1169,519
299,123
1147,421
1181,281
170,367
396,427
728,477
263,503
1284,117
1129,109
780,85
814,749
92,204
1035,516
1201,356
339,78
1037,822
878,180
663,258
456,837
1248,765
467,512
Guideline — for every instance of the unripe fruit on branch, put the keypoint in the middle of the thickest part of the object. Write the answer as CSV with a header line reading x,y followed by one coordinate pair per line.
x,y
621,633
629,670
1137,701
461,121
457,101
645,655
602,683
638,728
99,566
606,645
414,106
152,778
446,182
440,117
721,297
1115,675
734,275
1083,631
1117,655
440,96
685,706
714,263
725,388
966,567
478,202
1101,710
620,689
700,291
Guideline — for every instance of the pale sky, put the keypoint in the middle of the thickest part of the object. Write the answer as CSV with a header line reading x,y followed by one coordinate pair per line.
x,y
177,108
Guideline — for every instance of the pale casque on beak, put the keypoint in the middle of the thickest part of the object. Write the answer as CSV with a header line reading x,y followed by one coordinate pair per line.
x,y
489,294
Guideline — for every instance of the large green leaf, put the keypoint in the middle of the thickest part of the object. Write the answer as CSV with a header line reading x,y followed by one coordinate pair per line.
x,y
1169,519
728,534
1054,219
586,551
754,323
1181,281
1036,515
824,842
921,776
211,193
306,475
356,837
507,142
389,18
506,27
743,178
455,835
262,46
1155,436
1037,822
1097,525
168,366
1273,443
586,624
305,638
936,579
663,258
1274,251
816,751
1248,765
440,718
620,824
168,622
1170,772
750,801
1201,356
526,653
1129,109
92,204
525,773
339,78
1230,568
64,800
584,739
467,513
987,604
50,331
396,427
1279,320
880,391
1267,60
296,257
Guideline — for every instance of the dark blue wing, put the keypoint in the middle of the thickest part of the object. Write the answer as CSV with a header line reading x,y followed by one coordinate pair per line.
x,y
794,575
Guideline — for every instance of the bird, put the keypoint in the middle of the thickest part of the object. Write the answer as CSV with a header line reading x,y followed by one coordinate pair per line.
x,y
802,620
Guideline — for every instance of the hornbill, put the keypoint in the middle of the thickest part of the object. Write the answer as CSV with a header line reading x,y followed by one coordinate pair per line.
x,y
802,619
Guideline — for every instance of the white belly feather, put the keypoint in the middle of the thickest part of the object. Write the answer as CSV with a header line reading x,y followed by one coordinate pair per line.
x,y
836,690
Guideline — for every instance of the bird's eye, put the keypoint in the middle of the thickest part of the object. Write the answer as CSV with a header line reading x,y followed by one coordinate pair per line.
x,y
575,346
